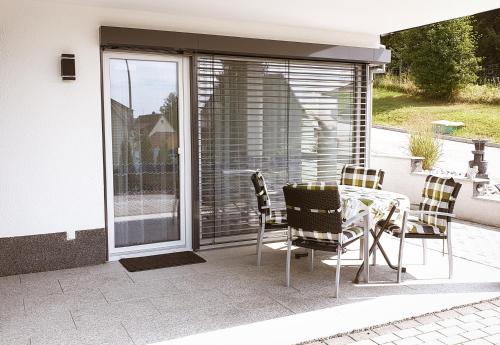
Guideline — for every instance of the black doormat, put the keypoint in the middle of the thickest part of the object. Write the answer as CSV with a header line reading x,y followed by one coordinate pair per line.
x,y
144,263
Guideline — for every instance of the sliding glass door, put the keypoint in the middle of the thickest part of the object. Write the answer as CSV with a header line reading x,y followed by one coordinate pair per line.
x,y
144,112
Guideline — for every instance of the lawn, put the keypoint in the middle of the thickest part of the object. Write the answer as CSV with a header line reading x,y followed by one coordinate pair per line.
x,y
398,109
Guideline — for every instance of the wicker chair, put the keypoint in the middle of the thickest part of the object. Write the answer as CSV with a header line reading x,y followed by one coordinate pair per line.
x,y
362,177
315,222
432,220
269,219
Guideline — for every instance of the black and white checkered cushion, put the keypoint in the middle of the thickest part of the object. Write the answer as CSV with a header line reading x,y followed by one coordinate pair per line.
x,y
276,217
413,227
361,177
437,195
348,234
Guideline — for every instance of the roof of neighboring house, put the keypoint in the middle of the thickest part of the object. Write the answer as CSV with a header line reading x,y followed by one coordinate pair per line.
x,y
162,126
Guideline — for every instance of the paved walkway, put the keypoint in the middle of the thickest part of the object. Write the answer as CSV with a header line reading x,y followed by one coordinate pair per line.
x,y
475,324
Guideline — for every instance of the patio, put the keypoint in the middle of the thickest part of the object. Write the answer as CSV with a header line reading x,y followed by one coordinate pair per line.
x,y
229,300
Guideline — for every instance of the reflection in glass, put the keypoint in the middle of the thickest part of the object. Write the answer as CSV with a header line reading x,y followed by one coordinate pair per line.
x,y
145,138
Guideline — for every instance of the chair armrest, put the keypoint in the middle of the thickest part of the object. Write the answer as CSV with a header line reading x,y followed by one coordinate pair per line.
x,y
430,213
355,218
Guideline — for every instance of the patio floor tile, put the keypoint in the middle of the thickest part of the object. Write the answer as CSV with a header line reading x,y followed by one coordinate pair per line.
x,y
105,304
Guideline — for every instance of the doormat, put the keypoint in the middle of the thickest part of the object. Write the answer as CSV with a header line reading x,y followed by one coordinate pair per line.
x,y
152,262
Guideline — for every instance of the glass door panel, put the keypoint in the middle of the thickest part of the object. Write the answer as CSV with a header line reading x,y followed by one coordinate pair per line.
x,y
144,102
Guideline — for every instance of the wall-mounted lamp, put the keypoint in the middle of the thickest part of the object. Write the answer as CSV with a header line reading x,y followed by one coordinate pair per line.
x,y
68,67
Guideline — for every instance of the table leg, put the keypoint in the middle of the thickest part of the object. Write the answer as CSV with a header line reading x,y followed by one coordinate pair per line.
x,y
376,244
366,255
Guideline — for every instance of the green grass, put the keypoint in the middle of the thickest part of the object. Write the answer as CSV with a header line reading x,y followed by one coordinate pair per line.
x,y
399,109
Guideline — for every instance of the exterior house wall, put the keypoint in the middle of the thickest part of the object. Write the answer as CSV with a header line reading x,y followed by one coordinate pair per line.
x,y
52,181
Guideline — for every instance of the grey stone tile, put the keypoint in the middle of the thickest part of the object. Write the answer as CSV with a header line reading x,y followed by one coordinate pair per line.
x,y
344,340
69,301
95,281
35,324
210,301
427,319
108,267
111,314
386,338
475,334
41,277
385,329
113,335
21,340
40,288
492,330
363,335
11,306
141,290
9,282
407,324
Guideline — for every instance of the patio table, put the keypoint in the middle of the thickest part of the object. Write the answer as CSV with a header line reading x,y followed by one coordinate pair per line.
x,y
380,205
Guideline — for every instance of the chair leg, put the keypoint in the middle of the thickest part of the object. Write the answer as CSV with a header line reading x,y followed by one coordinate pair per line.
x,y
401,247
361,246
366,249
311,260
424,249
400,258
337,272
288,261
450,253
259,243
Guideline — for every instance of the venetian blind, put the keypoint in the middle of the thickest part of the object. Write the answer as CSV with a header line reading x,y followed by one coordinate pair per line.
x,y
293,120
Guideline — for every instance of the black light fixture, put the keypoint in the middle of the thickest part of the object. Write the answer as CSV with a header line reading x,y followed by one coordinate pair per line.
x,y
68,67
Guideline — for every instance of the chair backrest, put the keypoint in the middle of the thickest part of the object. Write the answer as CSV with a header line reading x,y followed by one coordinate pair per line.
x,y
314,210
439,194
362,177
263,201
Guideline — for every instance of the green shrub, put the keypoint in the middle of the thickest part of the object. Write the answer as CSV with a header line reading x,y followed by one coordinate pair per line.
x,y
442,57
423,142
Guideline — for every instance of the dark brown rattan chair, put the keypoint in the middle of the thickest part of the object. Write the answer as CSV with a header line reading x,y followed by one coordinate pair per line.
x,y
269,219
314,215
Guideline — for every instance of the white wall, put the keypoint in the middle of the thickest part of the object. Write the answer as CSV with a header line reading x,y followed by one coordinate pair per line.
x,y
398,178
51,169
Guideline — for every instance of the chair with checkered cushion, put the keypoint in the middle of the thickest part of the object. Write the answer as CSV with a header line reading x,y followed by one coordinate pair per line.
x,y
432,220
362,177
269,219
314,215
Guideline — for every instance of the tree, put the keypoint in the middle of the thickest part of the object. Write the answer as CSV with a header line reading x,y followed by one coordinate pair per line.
x,y
170,109
442,57
146,149
398,44
487,27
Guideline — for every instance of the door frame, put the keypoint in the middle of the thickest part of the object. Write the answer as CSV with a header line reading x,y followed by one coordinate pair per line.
x,y
185,224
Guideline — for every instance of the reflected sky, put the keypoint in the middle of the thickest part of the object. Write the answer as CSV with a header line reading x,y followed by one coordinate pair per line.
x,y
151,81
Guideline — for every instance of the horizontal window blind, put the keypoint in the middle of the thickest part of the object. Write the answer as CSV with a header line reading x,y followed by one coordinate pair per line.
x,y
293,120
